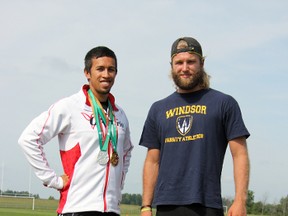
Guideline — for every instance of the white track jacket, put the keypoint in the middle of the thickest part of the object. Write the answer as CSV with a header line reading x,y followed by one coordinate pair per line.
x,y
92,187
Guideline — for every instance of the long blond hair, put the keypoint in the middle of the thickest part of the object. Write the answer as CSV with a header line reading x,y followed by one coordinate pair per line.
x,y
205,79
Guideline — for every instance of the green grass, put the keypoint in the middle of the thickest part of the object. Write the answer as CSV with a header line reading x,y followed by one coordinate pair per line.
x,y
127,211
26,212
44,207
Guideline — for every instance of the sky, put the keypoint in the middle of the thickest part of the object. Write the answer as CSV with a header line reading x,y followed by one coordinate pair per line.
x,y
42,49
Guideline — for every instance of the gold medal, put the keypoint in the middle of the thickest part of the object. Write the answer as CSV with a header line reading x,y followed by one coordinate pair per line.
x,y
114,158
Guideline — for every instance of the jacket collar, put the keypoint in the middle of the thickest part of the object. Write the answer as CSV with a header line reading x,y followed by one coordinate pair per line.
x,y
111,98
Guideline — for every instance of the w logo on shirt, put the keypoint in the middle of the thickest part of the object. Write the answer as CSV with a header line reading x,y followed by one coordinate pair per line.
x,y
184,124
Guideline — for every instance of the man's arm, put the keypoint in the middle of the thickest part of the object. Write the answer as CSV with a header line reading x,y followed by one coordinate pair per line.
x,y
239,151
150,174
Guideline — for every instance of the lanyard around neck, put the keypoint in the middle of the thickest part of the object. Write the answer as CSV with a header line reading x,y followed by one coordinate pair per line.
x,y
111,130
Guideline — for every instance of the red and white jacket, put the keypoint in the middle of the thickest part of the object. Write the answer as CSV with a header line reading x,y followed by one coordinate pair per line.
x,y
92,187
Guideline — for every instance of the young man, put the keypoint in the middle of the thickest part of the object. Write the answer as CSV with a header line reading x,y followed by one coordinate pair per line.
x,y
187,134
94,142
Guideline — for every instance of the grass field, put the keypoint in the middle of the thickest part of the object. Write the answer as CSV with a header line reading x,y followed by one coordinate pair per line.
x,y
26,212
44,207
128,210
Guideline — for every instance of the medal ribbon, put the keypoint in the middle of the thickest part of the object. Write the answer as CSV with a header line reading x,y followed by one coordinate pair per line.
x,y
111,129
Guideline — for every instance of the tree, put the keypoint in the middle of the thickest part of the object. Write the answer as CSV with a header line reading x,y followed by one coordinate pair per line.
x,y
51,198
257,208
264,200
131,199
284,205
125,198
250,201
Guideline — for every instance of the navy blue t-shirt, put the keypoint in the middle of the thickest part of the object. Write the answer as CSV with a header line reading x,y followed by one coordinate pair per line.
x,y
192,132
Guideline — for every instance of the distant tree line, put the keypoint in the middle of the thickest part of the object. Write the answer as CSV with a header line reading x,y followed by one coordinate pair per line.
x,y
18,193
262,207
131,199
254,208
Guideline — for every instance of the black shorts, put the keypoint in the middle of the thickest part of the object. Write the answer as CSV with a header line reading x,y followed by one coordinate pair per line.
x,y
92,213
188,210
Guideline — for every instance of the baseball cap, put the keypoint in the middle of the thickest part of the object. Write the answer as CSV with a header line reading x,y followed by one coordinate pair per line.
x,y
186,44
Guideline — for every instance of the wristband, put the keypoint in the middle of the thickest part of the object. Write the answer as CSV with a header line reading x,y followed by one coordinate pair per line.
x,y
144,209
144,206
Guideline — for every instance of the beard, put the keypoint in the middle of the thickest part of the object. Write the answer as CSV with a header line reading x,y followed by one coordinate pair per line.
x,y
189,83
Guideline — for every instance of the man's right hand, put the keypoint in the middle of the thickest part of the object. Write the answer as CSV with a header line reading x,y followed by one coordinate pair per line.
x,y
65,179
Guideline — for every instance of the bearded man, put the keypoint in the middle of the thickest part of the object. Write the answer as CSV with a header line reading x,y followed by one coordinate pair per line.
x,y
185,150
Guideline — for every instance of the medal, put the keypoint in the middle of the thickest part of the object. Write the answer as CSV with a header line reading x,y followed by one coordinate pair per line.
x,y
114,158
102,158
107,137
